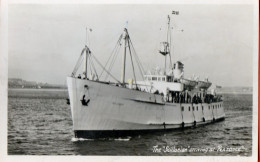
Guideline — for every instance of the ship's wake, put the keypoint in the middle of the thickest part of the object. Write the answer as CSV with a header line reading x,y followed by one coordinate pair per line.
x,y
123,139
101,139
81,139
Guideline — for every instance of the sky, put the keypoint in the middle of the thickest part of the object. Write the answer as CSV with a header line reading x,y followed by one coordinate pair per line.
x,y
45,40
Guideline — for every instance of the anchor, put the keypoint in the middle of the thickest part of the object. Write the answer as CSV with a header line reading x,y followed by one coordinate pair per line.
x,y
84,102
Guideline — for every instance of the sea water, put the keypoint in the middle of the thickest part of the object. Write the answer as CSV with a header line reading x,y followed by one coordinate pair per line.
x,y
39,123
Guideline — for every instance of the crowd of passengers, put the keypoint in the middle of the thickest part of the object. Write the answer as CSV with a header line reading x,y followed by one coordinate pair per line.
x,y
180,97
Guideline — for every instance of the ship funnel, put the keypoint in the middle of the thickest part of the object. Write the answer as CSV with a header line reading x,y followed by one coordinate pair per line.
x,y
178,70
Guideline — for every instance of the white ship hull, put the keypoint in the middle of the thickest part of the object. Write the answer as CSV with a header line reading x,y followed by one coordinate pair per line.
x,y
118,111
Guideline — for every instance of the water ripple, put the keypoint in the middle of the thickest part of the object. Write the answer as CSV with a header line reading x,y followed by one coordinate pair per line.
x,y
39,123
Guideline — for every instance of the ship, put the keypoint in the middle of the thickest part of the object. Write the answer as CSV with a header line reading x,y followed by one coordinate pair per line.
x,y
162,100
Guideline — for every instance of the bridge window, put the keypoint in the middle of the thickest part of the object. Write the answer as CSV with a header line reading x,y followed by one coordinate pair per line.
x,y
189,108
192,108
209,107
154,78
182,108
202,107
163,79
197,108
213,106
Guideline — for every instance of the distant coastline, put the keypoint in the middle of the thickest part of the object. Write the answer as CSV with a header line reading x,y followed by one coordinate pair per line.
x,y
18,83
236,90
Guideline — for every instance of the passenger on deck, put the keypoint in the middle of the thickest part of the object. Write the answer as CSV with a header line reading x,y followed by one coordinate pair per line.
x,y
178,97
156,92
182,98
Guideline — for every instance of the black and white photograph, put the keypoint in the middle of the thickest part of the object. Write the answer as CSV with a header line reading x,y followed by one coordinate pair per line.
x,y
125,79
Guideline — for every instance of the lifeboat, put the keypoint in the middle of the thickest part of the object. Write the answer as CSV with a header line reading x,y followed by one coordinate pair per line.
x,y
188,83
203,85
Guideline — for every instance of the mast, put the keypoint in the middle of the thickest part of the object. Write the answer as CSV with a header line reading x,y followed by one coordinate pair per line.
x,y
124,58
167,40
86,57
165,49
166,45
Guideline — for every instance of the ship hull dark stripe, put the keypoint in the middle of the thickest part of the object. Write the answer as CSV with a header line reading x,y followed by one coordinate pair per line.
x,y
148,102
95,134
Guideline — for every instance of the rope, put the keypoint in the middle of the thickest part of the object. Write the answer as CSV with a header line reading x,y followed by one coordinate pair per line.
x,y
132,63
138,60
78,63
141,69
113,60
118,42
91,62
89,66
105,69
139,65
